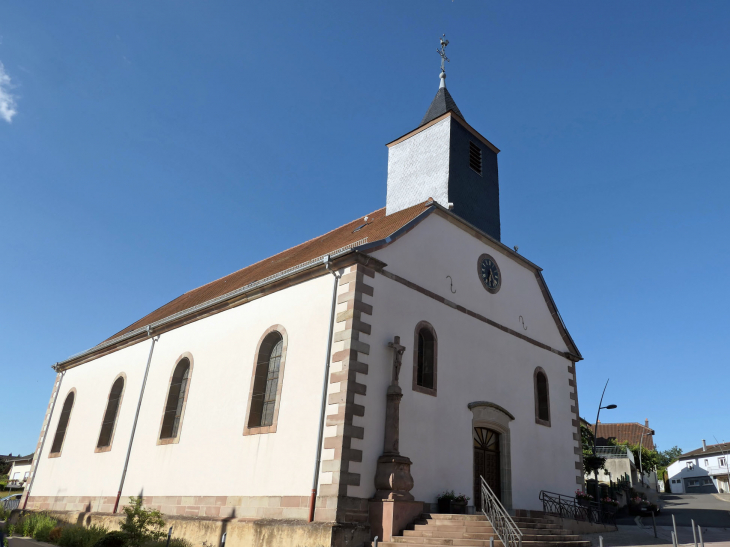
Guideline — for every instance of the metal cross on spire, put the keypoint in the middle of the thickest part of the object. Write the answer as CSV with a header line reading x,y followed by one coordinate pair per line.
x,y
442,51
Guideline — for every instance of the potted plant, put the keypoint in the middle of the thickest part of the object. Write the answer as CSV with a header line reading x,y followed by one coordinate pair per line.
x,y
583,498
458,504
609,505
444,501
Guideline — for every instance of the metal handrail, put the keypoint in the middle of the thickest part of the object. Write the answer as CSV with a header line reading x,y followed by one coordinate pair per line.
x,y
502,523
569,507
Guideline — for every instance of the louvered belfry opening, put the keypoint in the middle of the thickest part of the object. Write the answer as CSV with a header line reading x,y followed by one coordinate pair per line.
x,y
266,381
175,400
475,157
110,416
62,424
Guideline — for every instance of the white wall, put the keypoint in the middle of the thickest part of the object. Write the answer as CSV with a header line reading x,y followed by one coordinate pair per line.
x,y
213,457
713,466
476,362
418,168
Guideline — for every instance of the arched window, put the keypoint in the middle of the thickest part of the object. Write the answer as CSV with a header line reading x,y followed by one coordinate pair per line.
x,y
425,346
542,397
109,421
266,384
176,399
62,426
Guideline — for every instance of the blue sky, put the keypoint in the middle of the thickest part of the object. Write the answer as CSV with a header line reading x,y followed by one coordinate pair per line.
x,y
147,148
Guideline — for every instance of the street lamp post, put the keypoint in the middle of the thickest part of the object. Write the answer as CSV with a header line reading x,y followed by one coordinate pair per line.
x,y
595,437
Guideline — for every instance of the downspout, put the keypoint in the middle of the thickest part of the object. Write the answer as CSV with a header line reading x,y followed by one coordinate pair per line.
x,y
43,441
136,417
322,416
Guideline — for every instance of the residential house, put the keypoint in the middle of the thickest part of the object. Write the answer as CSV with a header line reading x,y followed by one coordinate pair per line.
x,y
701,470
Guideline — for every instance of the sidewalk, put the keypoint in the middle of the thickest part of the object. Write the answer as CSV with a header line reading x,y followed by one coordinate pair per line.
x,y
633,535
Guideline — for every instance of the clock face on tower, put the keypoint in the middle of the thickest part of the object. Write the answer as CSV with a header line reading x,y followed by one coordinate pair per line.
x,y
489,273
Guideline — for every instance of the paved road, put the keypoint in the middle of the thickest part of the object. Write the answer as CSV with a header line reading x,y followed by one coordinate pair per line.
x,y
632,535
711,510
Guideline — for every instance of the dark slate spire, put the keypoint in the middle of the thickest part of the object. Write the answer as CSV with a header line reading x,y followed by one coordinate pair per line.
x,y
441,104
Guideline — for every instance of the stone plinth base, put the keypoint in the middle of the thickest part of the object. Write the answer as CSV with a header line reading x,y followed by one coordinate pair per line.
x,y
389,518
393,478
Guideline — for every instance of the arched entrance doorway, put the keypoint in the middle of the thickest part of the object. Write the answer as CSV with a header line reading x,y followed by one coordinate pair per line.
x,y
486,463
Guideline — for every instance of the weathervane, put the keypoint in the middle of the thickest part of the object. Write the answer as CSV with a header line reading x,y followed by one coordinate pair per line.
x,y
442,51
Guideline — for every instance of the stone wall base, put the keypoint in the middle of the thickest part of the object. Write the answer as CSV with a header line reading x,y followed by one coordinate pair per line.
x,y
389,518
250,507
239,532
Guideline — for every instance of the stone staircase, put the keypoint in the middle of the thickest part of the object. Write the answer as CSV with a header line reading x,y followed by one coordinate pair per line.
x,y
476,530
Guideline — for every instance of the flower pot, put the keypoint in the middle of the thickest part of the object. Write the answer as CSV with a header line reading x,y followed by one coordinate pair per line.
x,y
458,507
444,505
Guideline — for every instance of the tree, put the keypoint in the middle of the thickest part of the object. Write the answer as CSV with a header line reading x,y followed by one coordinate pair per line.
x,y
591,463
142,525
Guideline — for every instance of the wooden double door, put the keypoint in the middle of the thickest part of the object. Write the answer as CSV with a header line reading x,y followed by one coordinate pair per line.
x,y
486,463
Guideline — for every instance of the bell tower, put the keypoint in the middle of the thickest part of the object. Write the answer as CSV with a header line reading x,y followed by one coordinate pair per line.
x,y
448,160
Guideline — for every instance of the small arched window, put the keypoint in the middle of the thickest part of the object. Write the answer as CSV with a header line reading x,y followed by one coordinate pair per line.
x,y
110,416
424,359
62,426
542,397
266,381
176,398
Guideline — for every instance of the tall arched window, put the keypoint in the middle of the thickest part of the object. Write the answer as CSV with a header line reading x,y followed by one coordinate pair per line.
x,y
266,383
542,397
177,396
425,352
62,426
109,421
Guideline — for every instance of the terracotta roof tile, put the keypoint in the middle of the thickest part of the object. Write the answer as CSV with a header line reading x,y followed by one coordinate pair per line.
x,y
722,448
378,226
623,432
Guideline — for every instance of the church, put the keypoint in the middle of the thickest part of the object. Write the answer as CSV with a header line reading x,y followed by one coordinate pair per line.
x,y
404,354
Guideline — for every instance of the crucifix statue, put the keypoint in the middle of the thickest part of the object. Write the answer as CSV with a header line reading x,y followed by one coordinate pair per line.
x,y
397,357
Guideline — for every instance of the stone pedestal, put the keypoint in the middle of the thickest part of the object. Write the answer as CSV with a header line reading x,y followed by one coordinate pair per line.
x,y
389,518
393,478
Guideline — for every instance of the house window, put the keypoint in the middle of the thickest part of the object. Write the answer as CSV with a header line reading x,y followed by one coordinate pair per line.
x,y
707,463
425,354
177,397
721,462
110,415
16,475
690,465
267,382
63,420
542,397
693,483
25,476
475,157
706,482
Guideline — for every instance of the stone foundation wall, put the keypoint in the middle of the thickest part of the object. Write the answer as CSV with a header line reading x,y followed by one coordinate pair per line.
x,y
248,507
239,532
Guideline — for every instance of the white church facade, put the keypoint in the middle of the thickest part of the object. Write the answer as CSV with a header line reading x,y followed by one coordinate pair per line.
x,y
239,398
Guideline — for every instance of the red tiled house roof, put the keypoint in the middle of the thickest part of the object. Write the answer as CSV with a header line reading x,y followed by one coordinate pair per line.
x,y
624,432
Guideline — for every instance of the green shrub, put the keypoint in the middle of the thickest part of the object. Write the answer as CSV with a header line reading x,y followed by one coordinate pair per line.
x,y
55,534
174,542
79,536
112,539
142,525
35,524
42,527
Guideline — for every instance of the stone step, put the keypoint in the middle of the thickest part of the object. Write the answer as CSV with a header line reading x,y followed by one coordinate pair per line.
x,y
447,516
488,529
522,526
401,541
486,535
